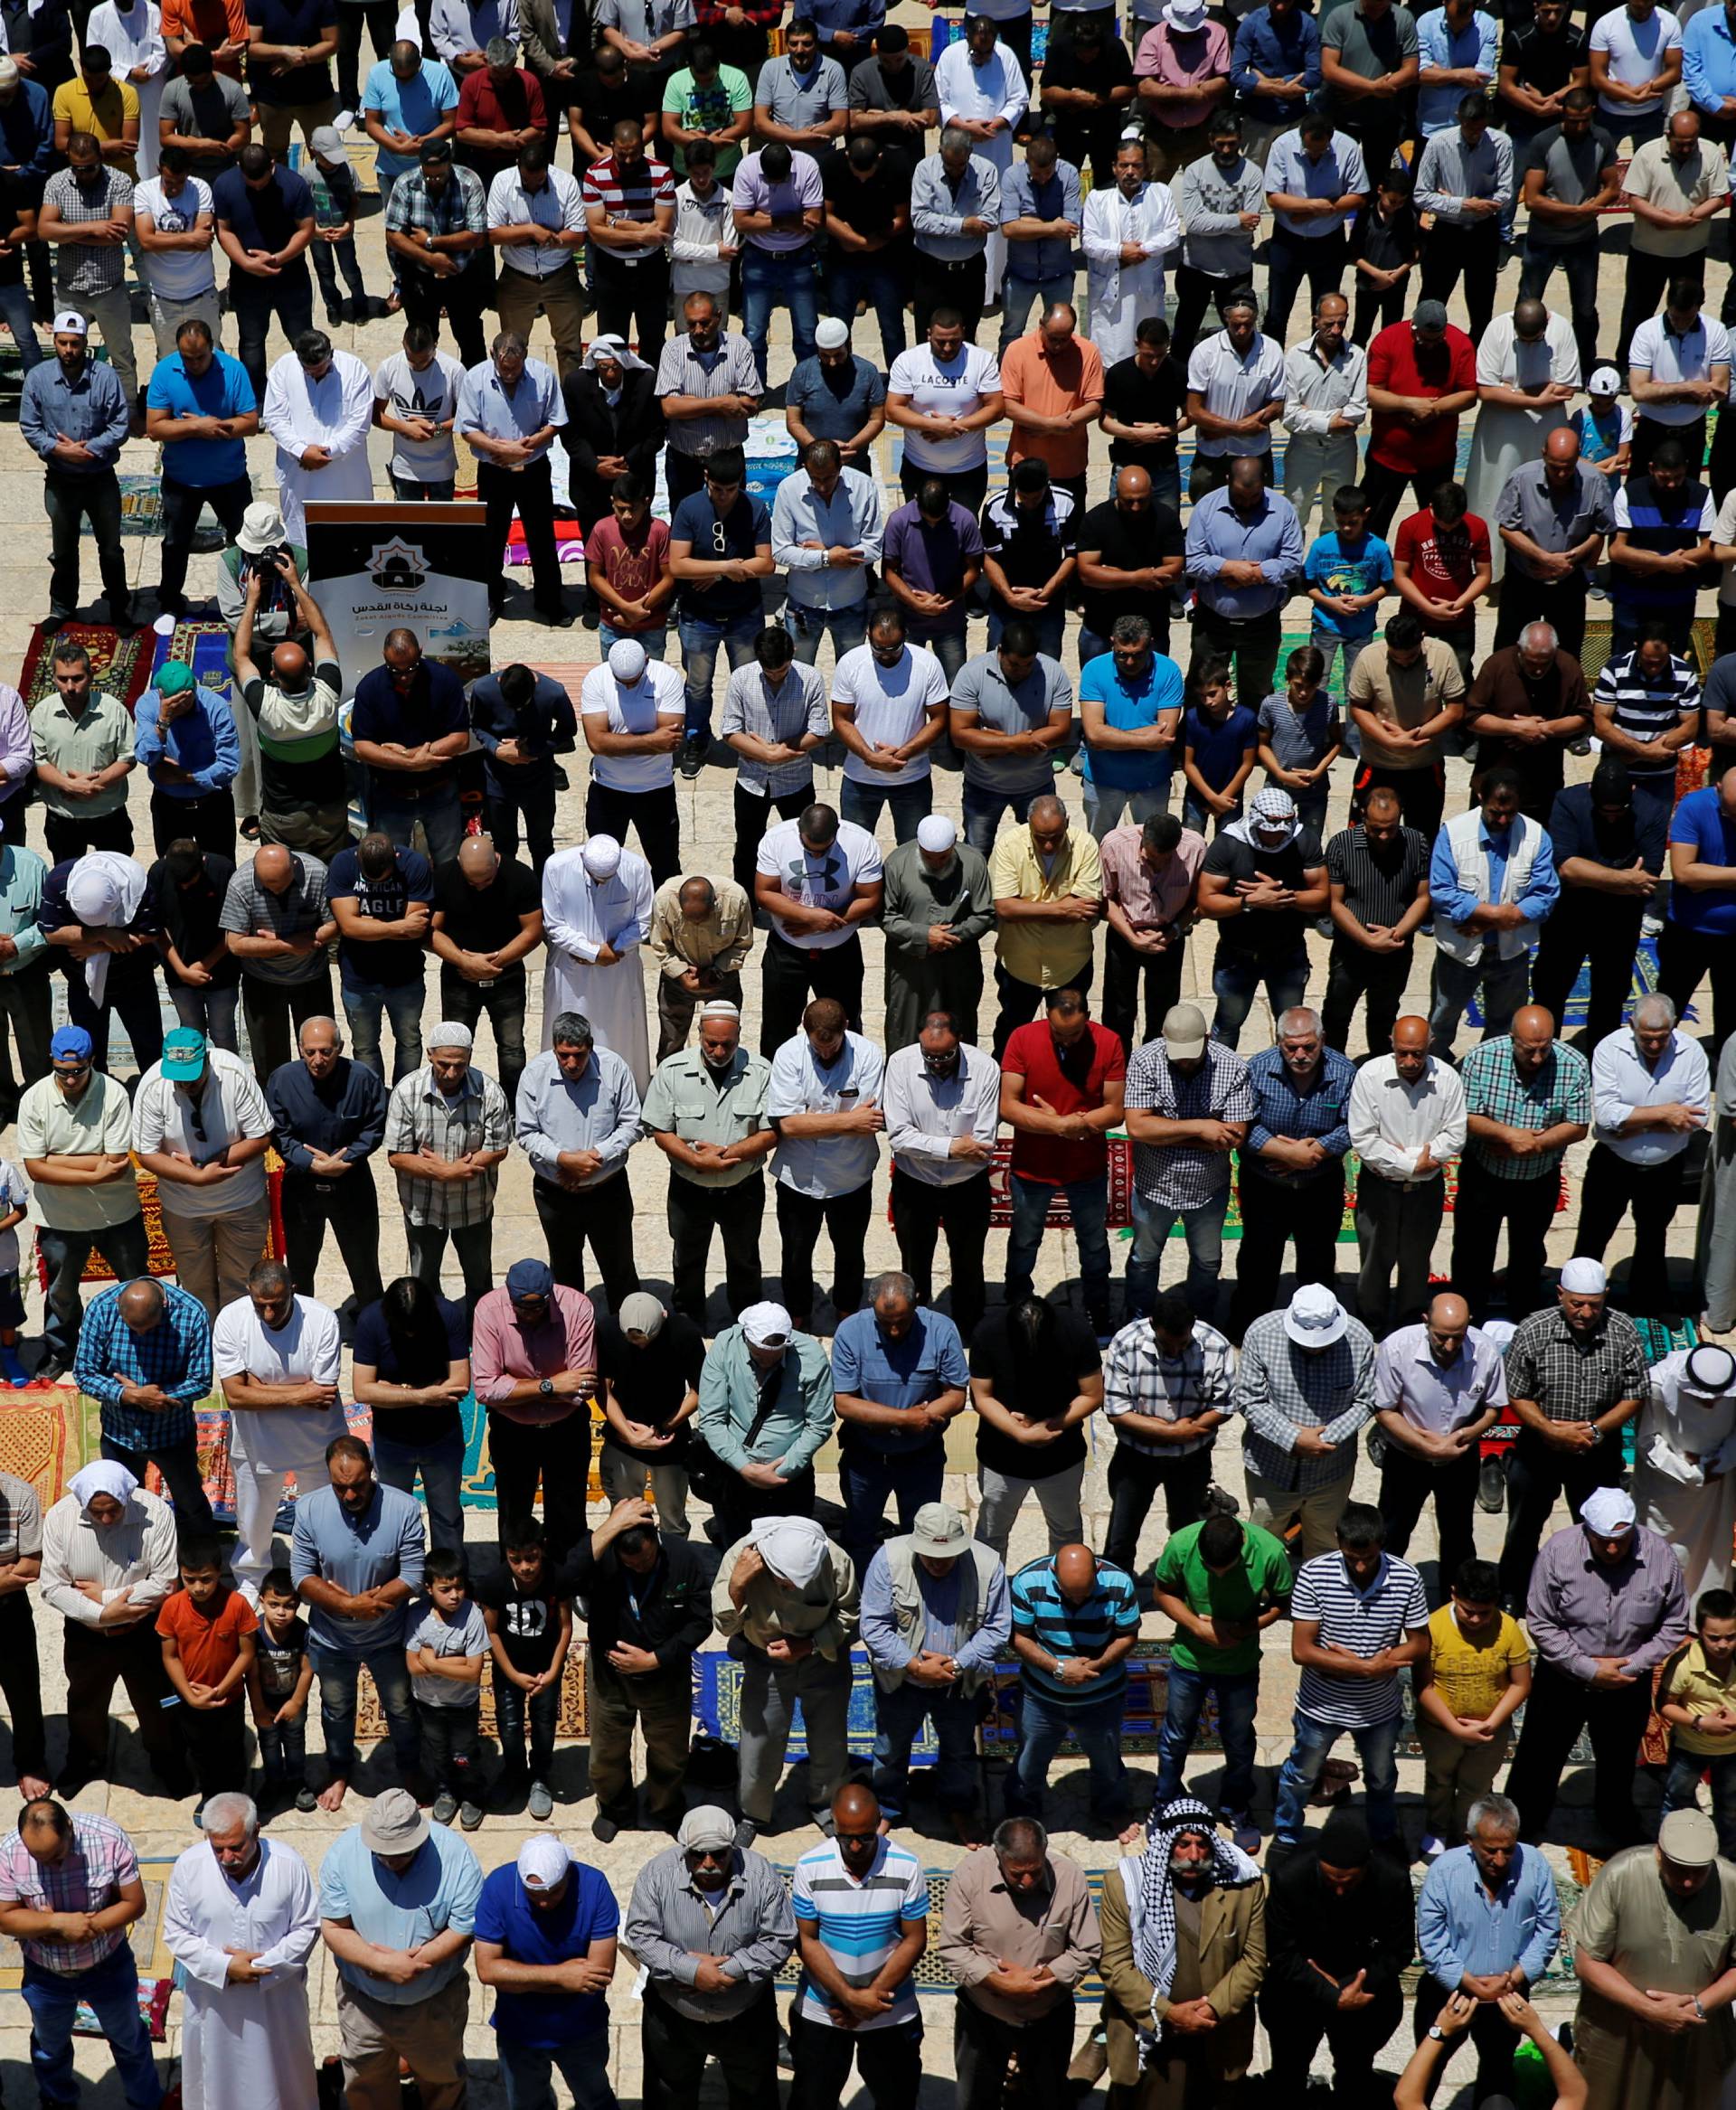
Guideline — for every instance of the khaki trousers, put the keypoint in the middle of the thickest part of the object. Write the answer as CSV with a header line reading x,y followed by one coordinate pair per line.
x,y
427,2034
518,296
278,122
662,1705
1275,1508
214,1254
1455,1774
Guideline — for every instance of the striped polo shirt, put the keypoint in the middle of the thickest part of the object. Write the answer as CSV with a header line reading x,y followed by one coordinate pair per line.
x,y
1645,709
859,1922
1662,523
636,193
1364,1622
1040,1611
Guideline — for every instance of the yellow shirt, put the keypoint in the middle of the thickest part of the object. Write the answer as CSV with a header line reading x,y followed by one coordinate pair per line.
x,y
104,119
1472,1677
1045,955
1696,1685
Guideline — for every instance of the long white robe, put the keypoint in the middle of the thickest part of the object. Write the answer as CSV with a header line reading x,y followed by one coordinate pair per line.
x,y
244,2046
335,412
580,914
1121,296
1684,1487
997,88
133,36
1504,437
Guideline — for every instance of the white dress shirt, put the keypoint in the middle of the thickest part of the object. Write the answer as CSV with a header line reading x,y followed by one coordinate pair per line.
x,y
1391,1123
557,205
925,1114
1622,1082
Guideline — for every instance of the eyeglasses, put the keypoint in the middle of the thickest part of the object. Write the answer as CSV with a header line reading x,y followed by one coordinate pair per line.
x,y
73,1071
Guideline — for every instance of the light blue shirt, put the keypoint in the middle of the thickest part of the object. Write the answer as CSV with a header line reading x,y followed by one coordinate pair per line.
x,y
1621,1080
413,106
885,1645
929,1360
204,742
600,1112
1439,44
385,1544
485,407
23,875
1708,60
439,1890
1291,172
823,1166
938,211
1217,534
91,408
1051,255
851,519
1461,1929
1449,172
1455,901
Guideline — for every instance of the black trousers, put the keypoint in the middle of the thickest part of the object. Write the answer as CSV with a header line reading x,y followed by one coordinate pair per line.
x,y
272,1008
1377,307
501,1001
1252,641
1490,2032
1612,1187
1686,957
1482,1205
132,996
21,1680
350,1206
752,815
1471,253
558,1453
216,1741
182,506
380,17
674,2050
531,491
1541,771
210,820
1559,1707
739,1504
69,501
26,1006
1422,794
921,1212
943,285
1386,486
632,300
95,1658
466,298
694,1213
1352,975
1538,1474
793,974
983,2046
1603,928
1408,1482
889,2061
1354,2038
71,834
1271,1215
1290,259
845,1218
603,1216
1644,286
1197,294
1021,1001
1558,602
1135,1479
609,811
1125,969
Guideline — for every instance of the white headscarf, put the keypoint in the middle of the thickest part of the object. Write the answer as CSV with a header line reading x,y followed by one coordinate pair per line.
x,y
793,1548
102,1476
104,890
615,348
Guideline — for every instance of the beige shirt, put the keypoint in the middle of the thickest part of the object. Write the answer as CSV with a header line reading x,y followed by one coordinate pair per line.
x,y
984,1924
825,1612
1045,955
722,941
99,734
1675,187
99,1121
1406,696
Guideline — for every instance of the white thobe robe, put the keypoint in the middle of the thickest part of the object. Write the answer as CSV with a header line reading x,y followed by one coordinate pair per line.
x,y
244,2046
133,36
1684,1484
1504,437
580,914
335,412
993,90
1121,296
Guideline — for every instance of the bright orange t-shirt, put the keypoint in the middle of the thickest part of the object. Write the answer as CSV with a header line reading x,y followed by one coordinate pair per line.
x,y
209,1642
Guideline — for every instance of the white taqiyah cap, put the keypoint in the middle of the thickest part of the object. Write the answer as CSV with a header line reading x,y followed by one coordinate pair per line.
x,y
626,659
1584,1277
936,832
833,334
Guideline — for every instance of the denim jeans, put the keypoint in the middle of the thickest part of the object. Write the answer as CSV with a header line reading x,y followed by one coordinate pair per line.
x,y
699,641
14,312
441,1465
503,1001
983,811
898,1721
1236,978
524,2073
442,815
1108,807
450,1757
950,647
909,803
848,628
1377,1751
283,1751
1051,628
64,1254
790,279
868,1478
1095,1728
1020,295
210,1010
362,1004
337,1672
655,642
1089,1202
1501,986
111,1990
1203,1229
1682,1791
1238,1695
510,1712
883,288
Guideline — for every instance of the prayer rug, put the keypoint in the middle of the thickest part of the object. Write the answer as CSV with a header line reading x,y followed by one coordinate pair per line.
x,y
200,643
119,666
42,1438
161,1259
574,1723
141,507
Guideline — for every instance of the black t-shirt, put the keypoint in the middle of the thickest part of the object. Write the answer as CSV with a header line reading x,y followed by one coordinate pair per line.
x,y
483,918
1110,66
1385,243
1136,398
280,1662
866,204
1127,541
1546,63
529,1620
190,916
1043,1386
651,1383
375,1349
1265,933
599,105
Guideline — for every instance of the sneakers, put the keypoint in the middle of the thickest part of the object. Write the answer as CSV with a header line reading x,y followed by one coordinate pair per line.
x,y
541,1805
344,121
1244,1831
446,1806
470,1815
692,753
1431,1848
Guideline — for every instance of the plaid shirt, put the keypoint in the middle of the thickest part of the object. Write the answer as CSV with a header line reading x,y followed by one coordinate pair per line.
x,y
1571,1382
1139,1378
174,1354
1282,1388
419,1117
88,266
97,1863
461,208
1279,1109
1185,1176
1559,1092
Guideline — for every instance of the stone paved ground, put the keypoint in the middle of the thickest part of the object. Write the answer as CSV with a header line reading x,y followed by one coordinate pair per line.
x,y
160,1829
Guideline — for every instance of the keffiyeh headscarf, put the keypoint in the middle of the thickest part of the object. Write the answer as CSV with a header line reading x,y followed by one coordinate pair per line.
x,y
1150,1891
1273,808
793,1548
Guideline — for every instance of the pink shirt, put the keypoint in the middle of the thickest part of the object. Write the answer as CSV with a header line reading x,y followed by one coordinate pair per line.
x,y
1148,897
503,1354
1178,63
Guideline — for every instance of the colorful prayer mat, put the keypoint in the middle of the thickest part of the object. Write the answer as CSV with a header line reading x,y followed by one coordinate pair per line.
x,y
574,1722
201,643
141,507
119,666
43,1438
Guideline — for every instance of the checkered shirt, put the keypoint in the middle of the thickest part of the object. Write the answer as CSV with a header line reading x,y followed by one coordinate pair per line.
x,y
461,208
174,1354
1545,1362
1139,1378
419,1117
1559,1092
1185,1176
1317,1115
88,266
1281,1388
89,1877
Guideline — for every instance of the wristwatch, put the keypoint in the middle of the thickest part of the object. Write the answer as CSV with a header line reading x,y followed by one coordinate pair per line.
x,y
547,1388
1436,2032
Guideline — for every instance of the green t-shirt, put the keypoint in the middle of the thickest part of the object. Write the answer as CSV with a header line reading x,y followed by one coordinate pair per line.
x,y
1262,1581
707,109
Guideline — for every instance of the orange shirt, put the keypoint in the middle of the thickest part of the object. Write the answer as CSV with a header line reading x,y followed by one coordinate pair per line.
x,y
209,22
209,1640
1052,384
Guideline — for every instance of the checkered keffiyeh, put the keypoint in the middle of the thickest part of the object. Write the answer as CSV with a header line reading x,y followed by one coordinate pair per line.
x,y
1151,1895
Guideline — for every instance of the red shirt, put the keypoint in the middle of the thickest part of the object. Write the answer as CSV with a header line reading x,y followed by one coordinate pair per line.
x,y
482,107
209,1638
1442,568
1031,1054
1447,369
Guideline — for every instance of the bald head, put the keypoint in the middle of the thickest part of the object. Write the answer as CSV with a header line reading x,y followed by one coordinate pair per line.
x,y
142,1304
1133,487
1451,1313
290,668
478,859
1529,320
1410,1048
1533,1036
1075,1573
855,1803
273,867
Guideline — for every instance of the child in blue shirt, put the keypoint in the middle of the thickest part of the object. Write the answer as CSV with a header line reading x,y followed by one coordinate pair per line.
x,y
1220,743
1346,573
1302,735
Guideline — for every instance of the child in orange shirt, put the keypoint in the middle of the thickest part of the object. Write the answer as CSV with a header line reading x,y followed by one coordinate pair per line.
x,y
208,1630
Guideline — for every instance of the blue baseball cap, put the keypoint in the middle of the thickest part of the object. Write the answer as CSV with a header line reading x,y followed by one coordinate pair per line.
x,y
532,1279
71,1044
